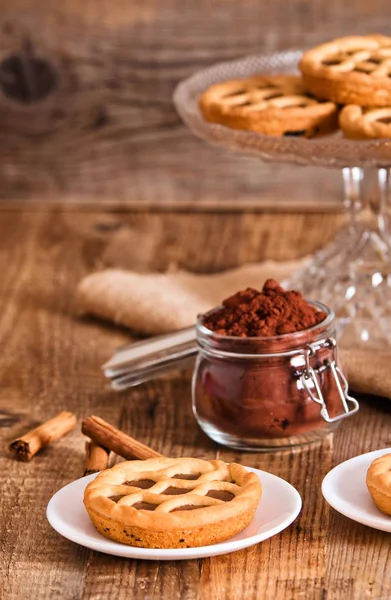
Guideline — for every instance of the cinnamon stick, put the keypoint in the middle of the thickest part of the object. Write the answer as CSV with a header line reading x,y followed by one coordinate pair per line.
x,y
25,447
109,437
97,458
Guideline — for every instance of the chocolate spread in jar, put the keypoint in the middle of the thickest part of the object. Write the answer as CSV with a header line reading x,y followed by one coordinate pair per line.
x,y
263,397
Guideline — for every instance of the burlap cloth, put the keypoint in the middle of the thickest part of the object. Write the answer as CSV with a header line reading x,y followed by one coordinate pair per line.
x,y
158,303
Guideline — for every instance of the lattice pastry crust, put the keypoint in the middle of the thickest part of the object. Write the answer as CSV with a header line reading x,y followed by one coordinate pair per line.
x,y
379,483
272,105
350,70
172,503
365,123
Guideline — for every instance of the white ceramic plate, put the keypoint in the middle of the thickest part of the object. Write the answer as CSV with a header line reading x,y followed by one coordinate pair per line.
x,y
345,490
279,506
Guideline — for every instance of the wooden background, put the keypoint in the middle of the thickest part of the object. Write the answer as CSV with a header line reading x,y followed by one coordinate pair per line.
x,y
85,98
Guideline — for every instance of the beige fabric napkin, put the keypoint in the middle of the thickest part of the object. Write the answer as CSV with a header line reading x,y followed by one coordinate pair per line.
x,y
159,303
368,371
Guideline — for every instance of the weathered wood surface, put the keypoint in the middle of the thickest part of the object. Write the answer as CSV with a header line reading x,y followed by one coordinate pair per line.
x,y
86,87
50,361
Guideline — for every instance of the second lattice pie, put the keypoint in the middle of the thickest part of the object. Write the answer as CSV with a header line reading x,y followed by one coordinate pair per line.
x,y
350,70
172,503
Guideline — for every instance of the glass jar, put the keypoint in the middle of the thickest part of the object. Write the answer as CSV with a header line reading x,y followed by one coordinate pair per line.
x,y
266,393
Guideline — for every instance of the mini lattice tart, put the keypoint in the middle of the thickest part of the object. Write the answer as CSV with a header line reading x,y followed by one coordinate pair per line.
x,y
379,482
360,123
272,105
172,503
350,70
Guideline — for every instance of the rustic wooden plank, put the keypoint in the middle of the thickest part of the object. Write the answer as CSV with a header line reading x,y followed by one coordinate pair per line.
x,y
331,202
107,129
51,360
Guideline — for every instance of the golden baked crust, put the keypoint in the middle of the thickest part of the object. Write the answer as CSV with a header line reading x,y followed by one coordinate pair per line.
x,y
172,503
360,123
350,70
379,482
272,105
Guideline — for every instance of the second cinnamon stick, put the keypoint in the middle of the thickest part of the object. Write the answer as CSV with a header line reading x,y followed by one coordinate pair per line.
x,y
111,438
97,458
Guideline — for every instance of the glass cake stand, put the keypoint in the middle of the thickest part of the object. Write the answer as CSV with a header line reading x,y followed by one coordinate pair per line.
x,y
352,274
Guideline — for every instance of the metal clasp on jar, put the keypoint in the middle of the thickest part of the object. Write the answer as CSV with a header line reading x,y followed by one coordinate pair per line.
x,y
349,404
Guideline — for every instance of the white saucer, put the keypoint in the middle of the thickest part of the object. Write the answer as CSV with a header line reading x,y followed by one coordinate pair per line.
x,y
279,506
345,489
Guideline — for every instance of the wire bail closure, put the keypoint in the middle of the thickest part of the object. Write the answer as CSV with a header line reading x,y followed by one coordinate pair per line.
x,y
310,375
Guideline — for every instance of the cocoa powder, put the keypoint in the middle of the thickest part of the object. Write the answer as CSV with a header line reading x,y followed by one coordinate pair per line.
x,y
271,312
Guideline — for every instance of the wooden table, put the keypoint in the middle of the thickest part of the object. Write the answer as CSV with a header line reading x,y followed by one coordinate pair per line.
x,y
51,361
